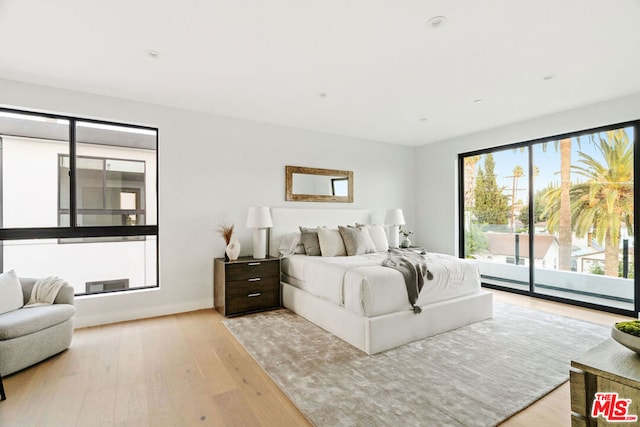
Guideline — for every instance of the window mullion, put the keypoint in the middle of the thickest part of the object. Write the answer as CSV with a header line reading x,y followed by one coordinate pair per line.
x,y
73,219
532,222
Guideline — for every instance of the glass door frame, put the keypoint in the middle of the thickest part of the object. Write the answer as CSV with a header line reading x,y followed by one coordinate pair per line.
x,y
531,231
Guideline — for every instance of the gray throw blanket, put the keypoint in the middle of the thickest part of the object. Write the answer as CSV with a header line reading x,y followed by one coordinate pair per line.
x,y
414,269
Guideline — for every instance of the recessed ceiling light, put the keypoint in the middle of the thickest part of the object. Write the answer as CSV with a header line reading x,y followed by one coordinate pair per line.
x,y
550,76
423,119
478,101
437,21
153,53
321,94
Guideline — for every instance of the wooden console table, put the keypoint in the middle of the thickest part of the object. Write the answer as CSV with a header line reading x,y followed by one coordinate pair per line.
x,y
608,367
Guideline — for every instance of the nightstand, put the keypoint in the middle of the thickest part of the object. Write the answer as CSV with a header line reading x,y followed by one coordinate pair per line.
x,y
246,285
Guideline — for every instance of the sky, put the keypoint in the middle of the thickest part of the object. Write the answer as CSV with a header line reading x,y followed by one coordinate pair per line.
x,y
547,161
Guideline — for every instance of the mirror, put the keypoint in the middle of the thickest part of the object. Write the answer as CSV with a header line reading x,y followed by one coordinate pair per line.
x,y
318,185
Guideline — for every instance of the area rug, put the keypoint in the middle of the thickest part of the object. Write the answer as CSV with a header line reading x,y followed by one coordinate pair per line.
x,y
477,375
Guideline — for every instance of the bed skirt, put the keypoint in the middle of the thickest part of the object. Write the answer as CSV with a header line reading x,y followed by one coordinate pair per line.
x,y
376,334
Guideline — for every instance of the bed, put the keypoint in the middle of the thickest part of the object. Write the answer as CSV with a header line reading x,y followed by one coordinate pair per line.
x,y
360,301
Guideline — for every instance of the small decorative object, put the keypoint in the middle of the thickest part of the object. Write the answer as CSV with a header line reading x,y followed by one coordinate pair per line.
x,y
406,242
226,231
233,249
627,334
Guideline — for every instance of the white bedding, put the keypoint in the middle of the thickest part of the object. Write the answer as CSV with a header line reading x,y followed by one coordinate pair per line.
x,y
362,285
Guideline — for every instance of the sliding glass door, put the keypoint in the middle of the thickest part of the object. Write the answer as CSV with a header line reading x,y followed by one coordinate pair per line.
x,y
555,217
495,217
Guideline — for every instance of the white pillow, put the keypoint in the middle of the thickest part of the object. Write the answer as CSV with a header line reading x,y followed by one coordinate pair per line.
x,y
379,237
291,244
357,240
10,292
331,243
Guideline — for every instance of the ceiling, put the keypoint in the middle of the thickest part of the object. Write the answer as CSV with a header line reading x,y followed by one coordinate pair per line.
x,y
372,69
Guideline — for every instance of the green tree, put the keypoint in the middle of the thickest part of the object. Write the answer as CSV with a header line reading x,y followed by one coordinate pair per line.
x,y
491,206
475,241
604,202
538,209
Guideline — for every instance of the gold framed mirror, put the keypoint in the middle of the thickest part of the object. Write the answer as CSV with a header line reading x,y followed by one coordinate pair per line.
x,y
318,185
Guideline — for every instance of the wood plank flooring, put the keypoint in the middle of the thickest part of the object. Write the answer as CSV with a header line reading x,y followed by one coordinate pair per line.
x,y
187,370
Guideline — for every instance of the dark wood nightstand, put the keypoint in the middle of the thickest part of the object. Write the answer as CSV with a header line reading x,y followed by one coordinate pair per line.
x,y
246,285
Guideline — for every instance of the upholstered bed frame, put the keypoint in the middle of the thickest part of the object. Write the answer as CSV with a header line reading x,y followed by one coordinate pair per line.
x,y
369,334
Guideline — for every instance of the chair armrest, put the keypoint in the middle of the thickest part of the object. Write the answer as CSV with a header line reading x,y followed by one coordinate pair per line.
x,y
65,294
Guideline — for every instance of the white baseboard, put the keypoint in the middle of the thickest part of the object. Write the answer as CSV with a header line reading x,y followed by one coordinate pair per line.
x,y
141,313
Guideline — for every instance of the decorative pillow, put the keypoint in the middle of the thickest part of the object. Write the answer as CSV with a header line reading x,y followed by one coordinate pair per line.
x,y
357,240
330,242
291,244
378,236
10,292
309,238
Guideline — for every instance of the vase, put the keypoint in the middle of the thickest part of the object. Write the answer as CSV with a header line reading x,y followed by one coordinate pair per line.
x,y
233,249
405,243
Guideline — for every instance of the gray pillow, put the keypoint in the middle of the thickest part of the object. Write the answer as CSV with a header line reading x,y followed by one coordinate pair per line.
x,y
357,240
309,238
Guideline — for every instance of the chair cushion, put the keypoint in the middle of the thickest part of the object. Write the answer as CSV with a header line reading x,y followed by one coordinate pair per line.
x,y
10,292
26,321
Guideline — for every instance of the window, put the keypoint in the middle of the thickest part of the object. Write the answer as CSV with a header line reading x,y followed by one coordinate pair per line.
x,y
111,191
78,200
340,187
554,218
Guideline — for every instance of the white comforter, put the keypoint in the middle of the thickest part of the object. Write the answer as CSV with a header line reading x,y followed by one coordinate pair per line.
x,y
361,284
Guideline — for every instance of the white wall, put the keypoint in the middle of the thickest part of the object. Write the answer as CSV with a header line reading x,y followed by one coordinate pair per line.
x,y
211,169
436,164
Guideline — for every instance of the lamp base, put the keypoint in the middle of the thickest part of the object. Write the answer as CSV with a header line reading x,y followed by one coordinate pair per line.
x,y
394,236
260,243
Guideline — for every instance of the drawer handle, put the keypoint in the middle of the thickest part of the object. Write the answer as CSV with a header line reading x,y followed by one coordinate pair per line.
x,y
257,279
253,263
257,294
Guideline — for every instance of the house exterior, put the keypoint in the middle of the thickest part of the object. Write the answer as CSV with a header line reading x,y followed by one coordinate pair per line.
x,y
509,247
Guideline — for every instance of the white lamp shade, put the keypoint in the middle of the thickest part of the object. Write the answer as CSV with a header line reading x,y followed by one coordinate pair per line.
x,y
259,217
394,217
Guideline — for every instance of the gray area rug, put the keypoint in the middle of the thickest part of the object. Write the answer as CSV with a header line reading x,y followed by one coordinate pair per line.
x,y
477,375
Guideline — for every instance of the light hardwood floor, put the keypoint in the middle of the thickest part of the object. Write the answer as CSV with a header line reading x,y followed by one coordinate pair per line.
x,y
187,369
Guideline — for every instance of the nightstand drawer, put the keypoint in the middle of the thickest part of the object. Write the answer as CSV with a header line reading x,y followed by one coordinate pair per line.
x,y
253,285
251,270
254,301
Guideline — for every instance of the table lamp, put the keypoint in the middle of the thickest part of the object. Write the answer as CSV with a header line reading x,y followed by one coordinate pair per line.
x,y
259,219
394,218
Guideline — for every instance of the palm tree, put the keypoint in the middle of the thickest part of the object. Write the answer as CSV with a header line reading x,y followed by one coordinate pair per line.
x,y
518,173
469,180
558,206
605,201
564,221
